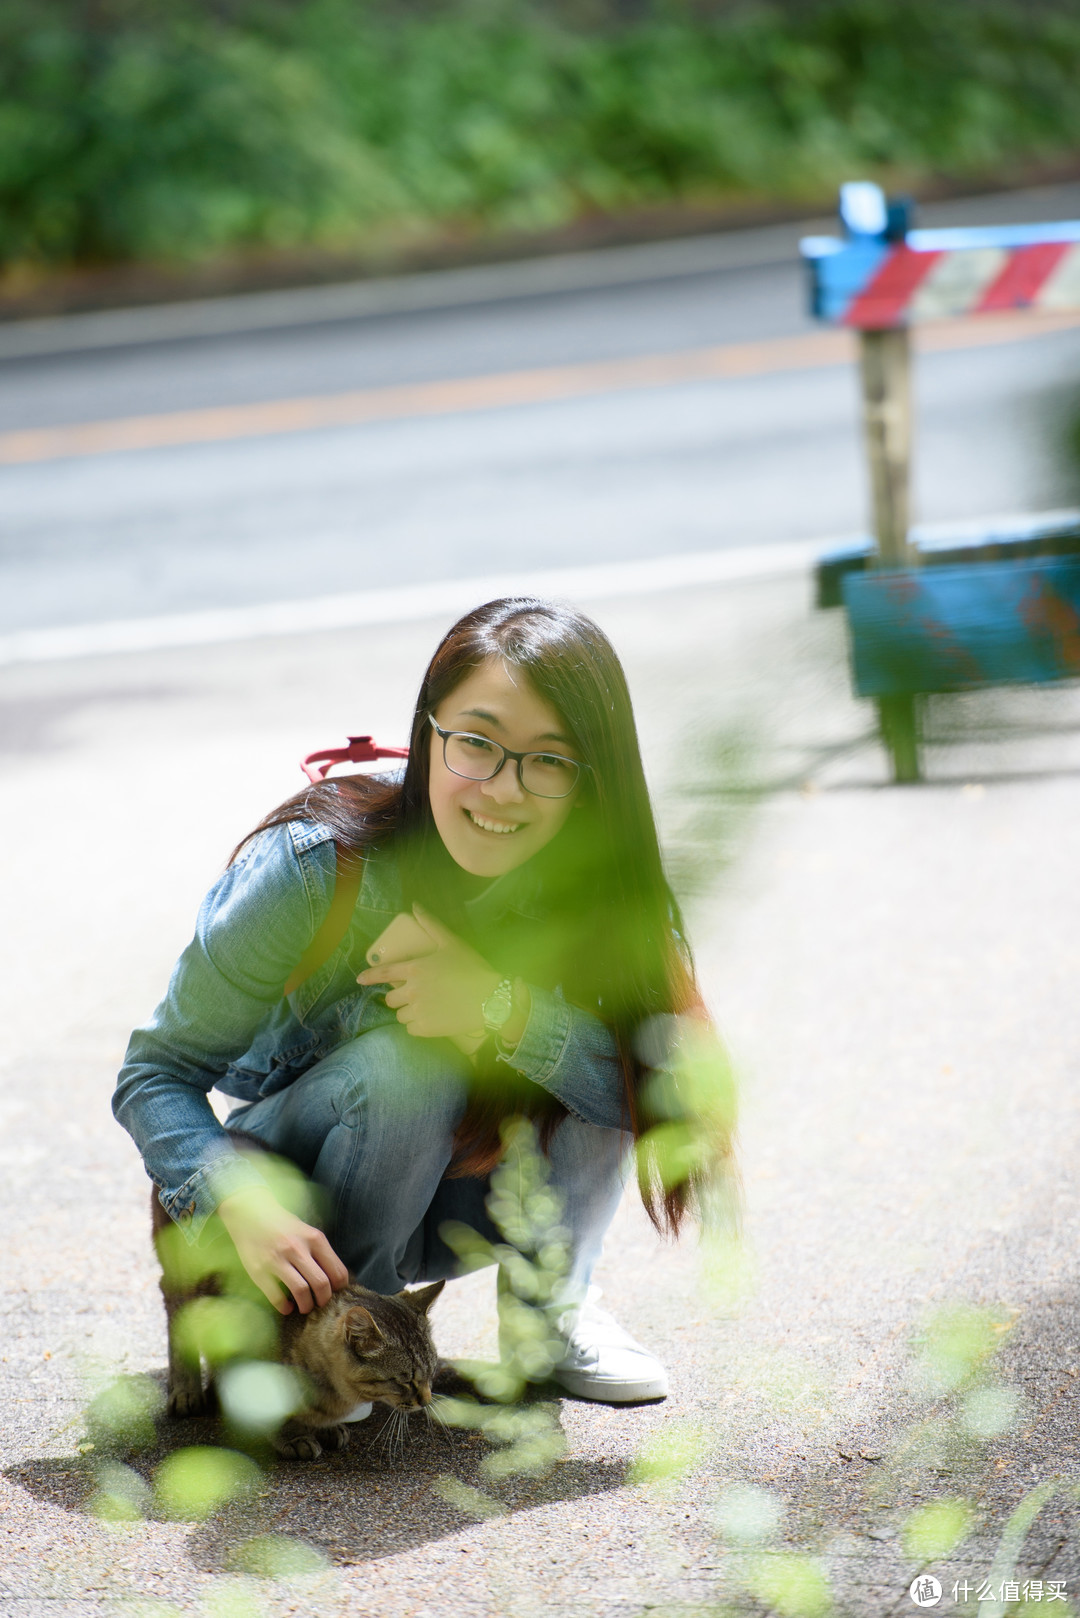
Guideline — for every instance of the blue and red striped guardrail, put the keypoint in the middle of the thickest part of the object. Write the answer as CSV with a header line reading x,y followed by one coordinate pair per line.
x,y
883,275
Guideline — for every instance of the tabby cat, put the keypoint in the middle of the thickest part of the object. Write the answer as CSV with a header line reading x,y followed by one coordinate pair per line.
x,y
359,1348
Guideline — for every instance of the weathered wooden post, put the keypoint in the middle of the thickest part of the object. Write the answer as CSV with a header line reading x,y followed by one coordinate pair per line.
x,y
885,373
885,365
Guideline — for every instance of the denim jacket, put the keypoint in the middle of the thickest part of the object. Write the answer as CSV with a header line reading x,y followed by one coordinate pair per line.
x,y
224,1022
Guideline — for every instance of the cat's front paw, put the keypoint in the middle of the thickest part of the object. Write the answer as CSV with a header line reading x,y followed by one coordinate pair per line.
x,y
334,1437
188,1399
299,1447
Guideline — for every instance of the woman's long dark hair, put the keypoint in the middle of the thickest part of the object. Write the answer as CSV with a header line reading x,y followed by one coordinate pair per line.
x,y
613,943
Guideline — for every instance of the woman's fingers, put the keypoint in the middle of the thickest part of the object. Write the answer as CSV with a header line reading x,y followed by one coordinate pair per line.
x,y
329,1262
278,1250
270,1288
397,973
433,927
304,1265
298,1287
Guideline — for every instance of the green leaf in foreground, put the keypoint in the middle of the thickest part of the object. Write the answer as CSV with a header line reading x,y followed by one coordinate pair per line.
x,y
746,1515
223,1329
934,1530
668,1456
232,1598
473,1502
989,1412
953,1346
257,1396
791,1586
121,1495
195,1482
121,1414
276,1556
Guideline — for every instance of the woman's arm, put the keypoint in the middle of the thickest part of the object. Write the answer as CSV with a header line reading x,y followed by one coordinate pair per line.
x,y
253,927
572,1054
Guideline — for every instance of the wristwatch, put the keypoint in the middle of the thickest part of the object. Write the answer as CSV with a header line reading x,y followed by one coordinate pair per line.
x,y
497,1008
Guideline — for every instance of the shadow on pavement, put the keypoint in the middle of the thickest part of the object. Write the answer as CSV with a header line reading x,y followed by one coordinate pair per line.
x,y
376,1499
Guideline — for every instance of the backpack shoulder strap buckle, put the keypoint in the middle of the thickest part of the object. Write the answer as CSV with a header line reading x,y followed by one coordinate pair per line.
x,y
360,750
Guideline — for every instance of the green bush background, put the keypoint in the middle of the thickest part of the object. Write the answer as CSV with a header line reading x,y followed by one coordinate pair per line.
x,y
180,129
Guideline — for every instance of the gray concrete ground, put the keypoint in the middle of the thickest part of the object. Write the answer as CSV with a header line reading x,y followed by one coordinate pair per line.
x,y
895,971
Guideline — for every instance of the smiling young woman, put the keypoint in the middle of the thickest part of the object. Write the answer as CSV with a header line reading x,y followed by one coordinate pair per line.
x,y
521,844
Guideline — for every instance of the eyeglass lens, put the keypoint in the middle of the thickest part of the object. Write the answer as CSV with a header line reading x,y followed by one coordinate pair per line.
x,y
546,775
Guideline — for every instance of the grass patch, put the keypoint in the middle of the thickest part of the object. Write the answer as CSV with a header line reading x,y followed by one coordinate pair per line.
x,y
173,130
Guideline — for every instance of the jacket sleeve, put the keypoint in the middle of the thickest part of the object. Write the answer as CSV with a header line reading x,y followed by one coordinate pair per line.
x,y
253,926
572,1054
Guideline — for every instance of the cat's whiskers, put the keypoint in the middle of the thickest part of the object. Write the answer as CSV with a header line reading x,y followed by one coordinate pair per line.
x,y
386,1433
392,1433
402,1431
397,1424
435,1418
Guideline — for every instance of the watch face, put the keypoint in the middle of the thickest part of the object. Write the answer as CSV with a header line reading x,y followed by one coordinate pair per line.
x,y
498,1006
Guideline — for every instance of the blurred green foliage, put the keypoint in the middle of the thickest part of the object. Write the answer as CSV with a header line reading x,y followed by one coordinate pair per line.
x,y
790,1585
173,129
933,1530
192,1483
275,1556
223,1329
121,1494
121,1415
533,1262
668,1457
256,1397
747,1515
954,1345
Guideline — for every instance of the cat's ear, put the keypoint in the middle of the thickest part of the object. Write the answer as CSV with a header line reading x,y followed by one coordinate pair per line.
x,y
360,1330
422,1299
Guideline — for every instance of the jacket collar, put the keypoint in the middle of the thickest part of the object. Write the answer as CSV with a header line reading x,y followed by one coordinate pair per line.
x,y
519,892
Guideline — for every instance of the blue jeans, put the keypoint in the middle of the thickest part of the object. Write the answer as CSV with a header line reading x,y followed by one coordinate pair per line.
x,y
373,1125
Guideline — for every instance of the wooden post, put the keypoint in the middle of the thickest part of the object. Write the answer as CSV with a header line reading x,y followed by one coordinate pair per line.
x,y
885,366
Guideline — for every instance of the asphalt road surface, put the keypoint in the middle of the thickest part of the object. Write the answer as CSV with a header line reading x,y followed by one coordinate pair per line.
x,y
235,507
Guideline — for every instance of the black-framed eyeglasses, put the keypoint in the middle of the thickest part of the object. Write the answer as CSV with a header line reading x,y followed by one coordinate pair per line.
x,y
478,758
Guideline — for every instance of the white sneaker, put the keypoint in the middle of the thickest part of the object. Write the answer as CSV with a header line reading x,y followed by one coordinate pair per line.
x,y
603,1362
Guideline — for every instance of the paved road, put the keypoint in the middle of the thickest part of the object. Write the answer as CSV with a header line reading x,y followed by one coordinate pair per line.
x,y
627,472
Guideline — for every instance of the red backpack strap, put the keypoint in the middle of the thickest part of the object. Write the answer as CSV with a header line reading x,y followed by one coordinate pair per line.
x,y
335,924
350,862
360,750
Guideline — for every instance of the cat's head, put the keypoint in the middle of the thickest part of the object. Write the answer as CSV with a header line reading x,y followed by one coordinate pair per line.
x,y
389,1348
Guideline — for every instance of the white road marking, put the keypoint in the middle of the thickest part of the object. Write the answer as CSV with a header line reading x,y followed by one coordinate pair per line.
x,y
447,599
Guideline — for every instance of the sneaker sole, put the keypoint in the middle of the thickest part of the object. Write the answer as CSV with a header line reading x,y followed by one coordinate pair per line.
x,y
611,1393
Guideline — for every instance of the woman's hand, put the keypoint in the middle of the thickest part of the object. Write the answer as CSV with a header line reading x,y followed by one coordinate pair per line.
x,y
441,995
278,1250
